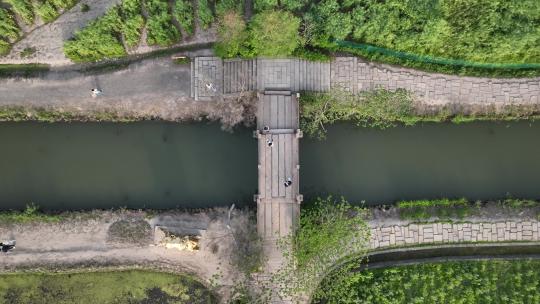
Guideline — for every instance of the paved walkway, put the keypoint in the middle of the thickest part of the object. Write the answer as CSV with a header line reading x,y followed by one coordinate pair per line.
x,y
356,75
417,234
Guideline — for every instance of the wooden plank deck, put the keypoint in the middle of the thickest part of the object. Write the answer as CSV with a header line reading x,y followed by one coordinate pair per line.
x,y
277,204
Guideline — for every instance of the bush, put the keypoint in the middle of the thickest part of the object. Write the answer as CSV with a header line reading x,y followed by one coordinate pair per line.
x,y
232,35
263,5
274,33
23,8
329,233
29,51
160,28
379,108
4,47
132,21
204,14
8,27
183,12
47,12
225,6
63,4
99,40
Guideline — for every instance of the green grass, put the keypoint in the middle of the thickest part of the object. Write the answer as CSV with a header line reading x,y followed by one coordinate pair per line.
x,y
29,215
131,287
468,282
24,70
441,208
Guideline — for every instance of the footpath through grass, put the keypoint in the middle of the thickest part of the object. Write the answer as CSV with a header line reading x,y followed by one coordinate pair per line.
x,y
133,287
478,282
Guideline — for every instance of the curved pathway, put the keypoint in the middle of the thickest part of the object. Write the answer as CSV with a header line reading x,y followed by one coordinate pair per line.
x,y
418,234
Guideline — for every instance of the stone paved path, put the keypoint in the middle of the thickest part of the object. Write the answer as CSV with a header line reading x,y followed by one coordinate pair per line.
x,y
417,234
356,75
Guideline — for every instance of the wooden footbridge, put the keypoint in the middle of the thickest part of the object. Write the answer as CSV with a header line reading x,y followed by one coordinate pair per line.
x,y
277,83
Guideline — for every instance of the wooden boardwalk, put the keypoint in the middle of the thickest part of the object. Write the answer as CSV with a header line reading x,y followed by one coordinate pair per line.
x,y
212,76
277,81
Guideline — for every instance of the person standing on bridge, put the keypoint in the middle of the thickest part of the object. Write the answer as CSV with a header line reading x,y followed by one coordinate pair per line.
x,y
270,142
288,182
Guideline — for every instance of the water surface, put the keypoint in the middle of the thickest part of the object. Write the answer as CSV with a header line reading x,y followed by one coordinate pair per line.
x,y
167,165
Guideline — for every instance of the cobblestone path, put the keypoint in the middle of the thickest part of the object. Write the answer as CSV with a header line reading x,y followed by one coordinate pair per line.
x,y
417,234
356,75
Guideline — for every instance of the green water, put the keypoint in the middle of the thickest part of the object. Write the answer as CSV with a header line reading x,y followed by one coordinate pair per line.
x,y
476,161
166,165
139,165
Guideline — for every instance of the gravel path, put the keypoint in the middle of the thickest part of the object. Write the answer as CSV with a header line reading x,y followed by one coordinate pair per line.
x,y
155,88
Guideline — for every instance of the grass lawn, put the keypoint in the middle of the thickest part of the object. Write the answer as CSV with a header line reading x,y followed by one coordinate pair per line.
x,y
134,287
471,282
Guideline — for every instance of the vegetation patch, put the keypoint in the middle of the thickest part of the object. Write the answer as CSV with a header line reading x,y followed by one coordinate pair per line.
x,y
30,214
269,34
329,232
382,108
131,232
489,281
48,115
441,208
134,287
448,36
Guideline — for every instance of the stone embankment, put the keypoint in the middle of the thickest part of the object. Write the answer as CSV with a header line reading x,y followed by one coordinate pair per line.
x,y
430,233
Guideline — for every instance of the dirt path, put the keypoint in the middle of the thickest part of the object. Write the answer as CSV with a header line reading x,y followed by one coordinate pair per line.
x,y
155,88
86,240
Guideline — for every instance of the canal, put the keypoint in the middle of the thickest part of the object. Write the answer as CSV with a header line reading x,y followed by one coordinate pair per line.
x,y
167,165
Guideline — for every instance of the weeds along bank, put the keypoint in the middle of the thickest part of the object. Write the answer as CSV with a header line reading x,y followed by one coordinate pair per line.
x,y
381,108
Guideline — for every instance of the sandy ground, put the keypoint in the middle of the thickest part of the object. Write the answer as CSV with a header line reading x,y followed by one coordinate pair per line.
x,y
48,39
84,240
154,88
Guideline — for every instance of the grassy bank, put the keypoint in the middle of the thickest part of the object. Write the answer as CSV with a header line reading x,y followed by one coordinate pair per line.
x,y
47,115
383,109
134,287
23,70
451,282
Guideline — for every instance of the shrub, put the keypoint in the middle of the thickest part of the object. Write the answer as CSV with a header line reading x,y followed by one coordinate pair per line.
x,y
4,47
204,14
132,22
232,35
274,33
85,8
160,28
183,12
29,51
225,6
99,40
23,8
63,4
8,27
378,108
47,12
262,5
329,233
161,31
